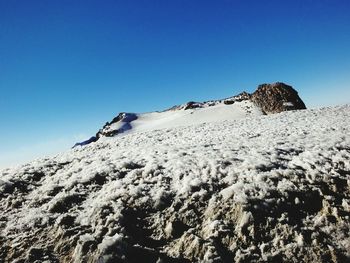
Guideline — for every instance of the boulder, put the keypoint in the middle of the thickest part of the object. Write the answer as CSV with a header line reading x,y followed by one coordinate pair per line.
x,y
277,97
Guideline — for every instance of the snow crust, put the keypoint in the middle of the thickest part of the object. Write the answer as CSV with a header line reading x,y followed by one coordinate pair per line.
x,y
214,111
254,188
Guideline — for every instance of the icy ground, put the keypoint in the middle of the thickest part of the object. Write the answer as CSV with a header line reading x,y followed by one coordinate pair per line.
x,y
212,111
270,188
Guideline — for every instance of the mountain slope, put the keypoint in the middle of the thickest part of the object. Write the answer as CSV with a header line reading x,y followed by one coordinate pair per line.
x,y
269,188
170,119
267,99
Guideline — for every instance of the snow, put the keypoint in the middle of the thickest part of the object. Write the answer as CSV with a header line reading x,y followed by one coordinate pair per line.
x,y
175,118
224,173
288,104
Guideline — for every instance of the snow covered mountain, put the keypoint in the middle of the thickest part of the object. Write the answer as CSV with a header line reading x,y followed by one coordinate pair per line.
x,y
268,98
258,188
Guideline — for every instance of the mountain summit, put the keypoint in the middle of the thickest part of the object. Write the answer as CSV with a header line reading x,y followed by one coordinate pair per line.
x,y
267,99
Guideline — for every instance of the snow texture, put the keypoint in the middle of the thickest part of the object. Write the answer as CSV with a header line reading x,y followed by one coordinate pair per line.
x,y
190,113
272,188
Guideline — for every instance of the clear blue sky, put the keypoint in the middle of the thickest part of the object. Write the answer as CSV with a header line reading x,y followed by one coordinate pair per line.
x,y
67,67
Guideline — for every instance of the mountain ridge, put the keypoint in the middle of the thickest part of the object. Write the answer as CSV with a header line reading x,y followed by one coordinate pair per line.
x,y
269,98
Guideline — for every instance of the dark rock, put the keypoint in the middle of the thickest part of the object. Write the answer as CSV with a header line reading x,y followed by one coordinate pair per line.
x,y
229,102
240,97
277,97
243,96
110,133
116,119
125,118
191,105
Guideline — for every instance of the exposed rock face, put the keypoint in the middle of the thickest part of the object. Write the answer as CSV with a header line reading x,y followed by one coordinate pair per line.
x,y
277,97
192,105
270,98
123,119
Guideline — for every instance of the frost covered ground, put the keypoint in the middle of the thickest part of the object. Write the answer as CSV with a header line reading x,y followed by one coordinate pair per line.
x,y
272,188
175,118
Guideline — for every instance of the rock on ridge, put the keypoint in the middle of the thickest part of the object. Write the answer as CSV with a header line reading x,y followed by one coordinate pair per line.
x,y
277,97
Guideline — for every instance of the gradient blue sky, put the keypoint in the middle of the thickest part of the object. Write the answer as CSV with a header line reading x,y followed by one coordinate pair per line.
x,y
67,67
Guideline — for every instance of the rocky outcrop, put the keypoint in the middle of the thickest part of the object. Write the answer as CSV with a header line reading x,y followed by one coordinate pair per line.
x,y
124,119
277,97
192,105
270,98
